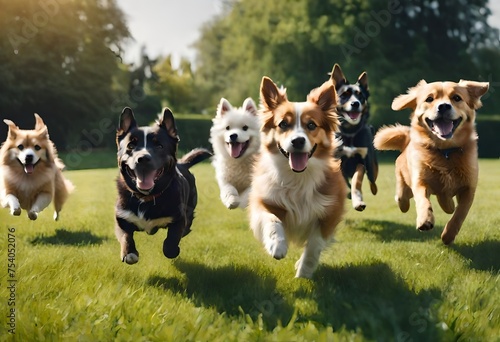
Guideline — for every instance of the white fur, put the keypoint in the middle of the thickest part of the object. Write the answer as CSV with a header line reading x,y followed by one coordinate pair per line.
x,y
141,222
234,174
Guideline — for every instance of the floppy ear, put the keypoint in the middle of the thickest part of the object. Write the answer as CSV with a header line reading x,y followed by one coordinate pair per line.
x,y
167,122
270,96
12,129
475,90
337,76
127,121
363,80
407,100
223,107
249,106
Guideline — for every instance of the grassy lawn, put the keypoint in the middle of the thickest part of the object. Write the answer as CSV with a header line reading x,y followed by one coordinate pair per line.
x,y
382,280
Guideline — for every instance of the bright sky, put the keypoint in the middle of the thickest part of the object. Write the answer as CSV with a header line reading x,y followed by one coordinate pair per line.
x,y
172,26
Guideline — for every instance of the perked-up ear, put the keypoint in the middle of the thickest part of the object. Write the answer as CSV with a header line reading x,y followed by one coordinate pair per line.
x,y
363,80
223,107
12,128
167,122
249,106
270,96
408,100
337,76
127,121
40,126
475,90
326,98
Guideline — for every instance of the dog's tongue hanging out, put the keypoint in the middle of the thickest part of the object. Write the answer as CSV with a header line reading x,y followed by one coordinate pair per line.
x,y
28,168
146,181
298,161
236,149
443,127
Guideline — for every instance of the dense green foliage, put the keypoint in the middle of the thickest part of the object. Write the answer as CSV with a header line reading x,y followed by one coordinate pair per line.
x,y
382,280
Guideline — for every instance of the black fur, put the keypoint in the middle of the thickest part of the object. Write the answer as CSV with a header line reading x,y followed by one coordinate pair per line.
x,y
173,197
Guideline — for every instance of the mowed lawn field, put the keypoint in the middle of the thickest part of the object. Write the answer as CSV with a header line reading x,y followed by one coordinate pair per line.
x,y
382,280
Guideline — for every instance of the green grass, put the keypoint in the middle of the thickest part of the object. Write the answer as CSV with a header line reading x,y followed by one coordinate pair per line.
x,y
382,280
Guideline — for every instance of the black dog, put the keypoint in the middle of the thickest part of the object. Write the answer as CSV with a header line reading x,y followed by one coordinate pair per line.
x,y
356,152
154,190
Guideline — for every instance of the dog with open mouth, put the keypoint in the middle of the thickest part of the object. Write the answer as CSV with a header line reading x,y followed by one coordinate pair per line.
x,y
235,138
298,192
356,153
31,172
155,190
438,150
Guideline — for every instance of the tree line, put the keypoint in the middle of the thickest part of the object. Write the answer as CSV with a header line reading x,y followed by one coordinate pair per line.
x,y
62,58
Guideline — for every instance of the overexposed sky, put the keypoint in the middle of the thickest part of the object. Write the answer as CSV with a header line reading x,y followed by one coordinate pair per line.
x,y
172,26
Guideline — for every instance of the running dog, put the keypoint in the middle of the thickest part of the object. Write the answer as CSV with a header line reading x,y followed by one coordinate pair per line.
x,y
438,150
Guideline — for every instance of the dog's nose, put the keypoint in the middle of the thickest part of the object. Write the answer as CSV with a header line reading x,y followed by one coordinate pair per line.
x,y
144,159
29,159
444,107
355,104
233,137
298,142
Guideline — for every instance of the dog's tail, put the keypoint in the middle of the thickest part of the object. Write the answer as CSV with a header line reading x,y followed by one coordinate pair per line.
x,y
195,156
392,138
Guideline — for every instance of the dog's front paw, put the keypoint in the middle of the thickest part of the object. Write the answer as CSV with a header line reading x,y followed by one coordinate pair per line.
x,y
171,252
16,211
231,201
33,215
277,247
56,216
130,258
426,223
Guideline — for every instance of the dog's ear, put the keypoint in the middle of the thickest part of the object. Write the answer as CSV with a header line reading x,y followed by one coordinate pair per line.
x,y
475,90
223,107
127,121
249,106
167,122
363,80
408,100
270,96
337,77
39,124
12,129
326,98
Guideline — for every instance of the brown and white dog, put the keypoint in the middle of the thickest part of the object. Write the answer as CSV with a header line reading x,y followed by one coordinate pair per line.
x,y
30,171
438,151
298,192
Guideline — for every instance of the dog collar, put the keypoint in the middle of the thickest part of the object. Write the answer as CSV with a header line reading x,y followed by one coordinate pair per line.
x,y
447,151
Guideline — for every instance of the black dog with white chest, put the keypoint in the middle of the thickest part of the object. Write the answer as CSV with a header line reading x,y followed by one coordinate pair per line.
x,y
356,152
154,189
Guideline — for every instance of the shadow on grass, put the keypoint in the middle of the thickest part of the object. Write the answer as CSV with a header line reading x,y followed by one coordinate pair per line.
x,y
372,299
392,231
228,288
69,238
484,255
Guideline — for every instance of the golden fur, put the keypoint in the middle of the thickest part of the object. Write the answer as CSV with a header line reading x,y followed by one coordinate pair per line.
x,y
31,186
299,202
438,152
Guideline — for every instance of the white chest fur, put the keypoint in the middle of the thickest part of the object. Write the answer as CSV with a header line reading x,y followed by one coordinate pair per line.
x,y
146,225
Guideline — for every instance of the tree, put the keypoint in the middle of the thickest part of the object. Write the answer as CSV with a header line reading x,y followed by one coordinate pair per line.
x,y
58,59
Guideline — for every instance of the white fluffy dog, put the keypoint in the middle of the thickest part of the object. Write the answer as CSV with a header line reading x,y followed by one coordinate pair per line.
x,y
235,138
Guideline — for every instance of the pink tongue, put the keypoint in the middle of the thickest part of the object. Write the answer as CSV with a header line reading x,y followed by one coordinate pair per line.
x,y
146,181
353,115
28,168
298,161
236,149
443,127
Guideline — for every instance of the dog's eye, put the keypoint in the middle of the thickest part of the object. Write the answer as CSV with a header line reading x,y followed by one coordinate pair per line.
x,y
37,148
245,128
429,99
20,147
131,145
345,95
158,145
228,128
456,98
311,126
283,125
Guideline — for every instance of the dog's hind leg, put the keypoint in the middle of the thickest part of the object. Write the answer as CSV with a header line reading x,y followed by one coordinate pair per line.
x,y
41,202
62,189
464,202
124,232
356,184
403,193
446,203
10,201
309,259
